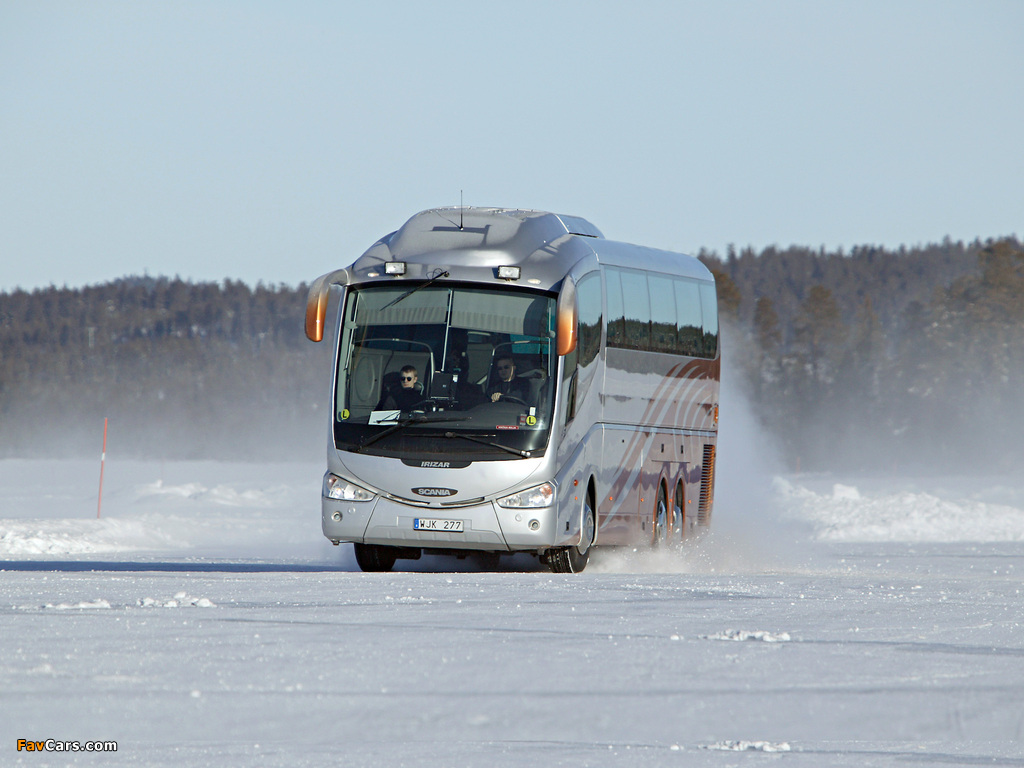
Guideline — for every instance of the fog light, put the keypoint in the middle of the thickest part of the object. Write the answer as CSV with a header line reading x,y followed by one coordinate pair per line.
x,y
394,268
534,525
336,517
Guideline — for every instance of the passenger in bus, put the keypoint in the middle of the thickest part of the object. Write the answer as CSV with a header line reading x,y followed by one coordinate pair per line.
x,y
408,395
504,382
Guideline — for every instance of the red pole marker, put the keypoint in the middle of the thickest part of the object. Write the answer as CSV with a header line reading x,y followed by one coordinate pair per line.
x,y
103,460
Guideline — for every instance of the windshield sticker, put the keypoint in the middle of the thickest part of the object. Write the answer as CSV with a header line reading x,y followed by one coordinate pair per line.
x,y
506,426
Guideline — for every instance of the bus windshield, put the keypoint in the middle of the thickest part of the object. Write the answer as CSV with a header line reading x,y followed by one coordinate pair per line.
x,y
450,370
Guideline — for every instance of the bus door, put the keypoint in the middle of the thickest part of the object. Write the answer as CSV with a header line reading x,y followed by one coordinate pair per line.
x,y
618,484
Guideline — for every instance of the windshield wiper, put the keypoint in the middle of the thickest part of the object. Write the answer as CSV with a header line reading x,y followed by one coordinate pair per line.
x,y
514,451
419,419
411,291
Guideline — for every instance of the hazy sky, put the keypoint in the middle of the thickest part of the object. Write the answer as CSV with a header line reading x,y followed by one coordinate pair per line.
x,y
277,141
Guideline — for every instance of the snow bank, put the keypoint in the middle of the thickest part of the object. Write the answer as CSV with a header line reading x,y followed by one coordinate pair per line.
x,y
209,508
20,538
847,514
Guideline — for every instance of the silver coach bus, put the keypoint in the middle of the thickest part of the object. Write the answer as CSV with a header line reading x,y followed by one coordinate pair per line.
x,y
511,381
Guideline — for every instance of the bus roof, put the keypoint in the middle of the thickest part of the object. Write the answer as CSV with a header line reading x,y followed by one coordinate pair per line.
x,y
471,243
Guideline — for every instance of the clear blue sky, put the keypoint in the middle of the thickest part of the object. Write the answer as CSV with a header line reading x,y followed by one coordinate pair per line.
x,y
277,141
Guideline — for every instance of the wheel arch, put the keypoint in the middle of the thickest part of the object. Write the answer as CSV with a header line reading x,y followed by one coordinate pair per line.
x,y
591,495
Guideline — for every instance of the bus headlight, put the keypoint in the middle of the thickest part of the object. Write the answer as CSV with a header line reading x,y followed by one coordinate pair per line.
x,y
343,490
531,498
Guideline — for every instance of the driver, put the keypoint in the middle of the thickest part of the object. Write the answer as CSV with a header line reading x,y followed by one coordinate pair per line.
x,y
507,384
409,394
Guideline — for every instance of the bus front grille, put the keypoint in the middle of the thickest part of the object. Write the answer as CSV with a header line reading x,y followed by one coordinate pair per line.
x,y
434,505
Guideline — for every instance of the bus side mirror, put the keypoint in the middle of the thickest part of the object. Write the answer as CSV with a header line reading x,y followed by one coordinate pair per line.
x,y
316,302
566,322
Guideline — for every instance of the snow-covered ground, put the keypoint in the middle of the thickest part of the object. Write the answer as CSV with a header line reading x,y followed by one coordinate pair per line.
x,y
203,620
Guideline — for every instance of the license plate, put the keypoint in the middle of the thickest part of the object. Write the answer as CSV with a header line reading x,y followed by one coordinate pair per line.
x,y
436,524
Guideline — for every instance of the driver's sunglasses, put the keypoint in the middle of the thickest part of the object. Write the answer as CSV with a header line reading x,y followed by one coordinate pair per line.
x,y
408,378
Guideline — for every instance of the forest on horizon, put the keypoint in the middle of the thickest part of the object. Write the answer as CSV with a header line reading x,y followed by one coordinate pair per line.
x,y
874,360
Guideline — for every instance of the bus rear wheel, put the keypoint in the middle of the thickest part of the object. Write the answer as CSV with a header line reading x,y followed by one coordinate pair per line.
x,y
374,558
575,559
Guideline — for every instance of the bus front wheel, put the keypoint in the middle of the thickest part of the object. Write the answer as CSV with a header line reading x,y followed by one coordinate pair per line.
x,y
575,559
375,558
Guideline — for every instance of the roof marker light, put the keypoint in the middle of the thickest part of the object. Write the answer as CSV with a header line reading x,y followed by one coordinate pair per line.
x,y
509,273
394,268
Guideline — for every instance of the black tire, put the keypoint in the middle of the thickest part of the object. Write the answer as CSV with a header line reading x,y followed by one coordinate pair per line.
x,y
374,558
575,559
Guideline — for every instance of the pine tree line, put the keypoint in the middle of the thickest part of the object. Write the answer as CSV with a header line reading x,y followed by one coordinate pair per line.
x,y
877,359
180,369
872,359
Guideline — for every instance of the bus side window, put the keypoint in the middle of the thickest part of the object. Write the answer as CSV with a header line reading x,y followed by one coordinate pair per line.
x,y
709,304
616,309
588,297
690,329
638,310
588,302
663,313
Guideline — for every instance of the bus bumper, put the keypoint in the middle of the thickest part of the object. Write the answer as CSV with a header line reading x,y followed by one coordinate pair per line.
x,y
486,526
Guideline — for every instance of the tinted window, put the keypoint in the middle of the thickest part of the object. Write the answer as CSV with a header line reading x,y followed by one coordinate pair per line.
x,y
638,310
663,313
588,296
616,310
709,304
689,326
660,313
